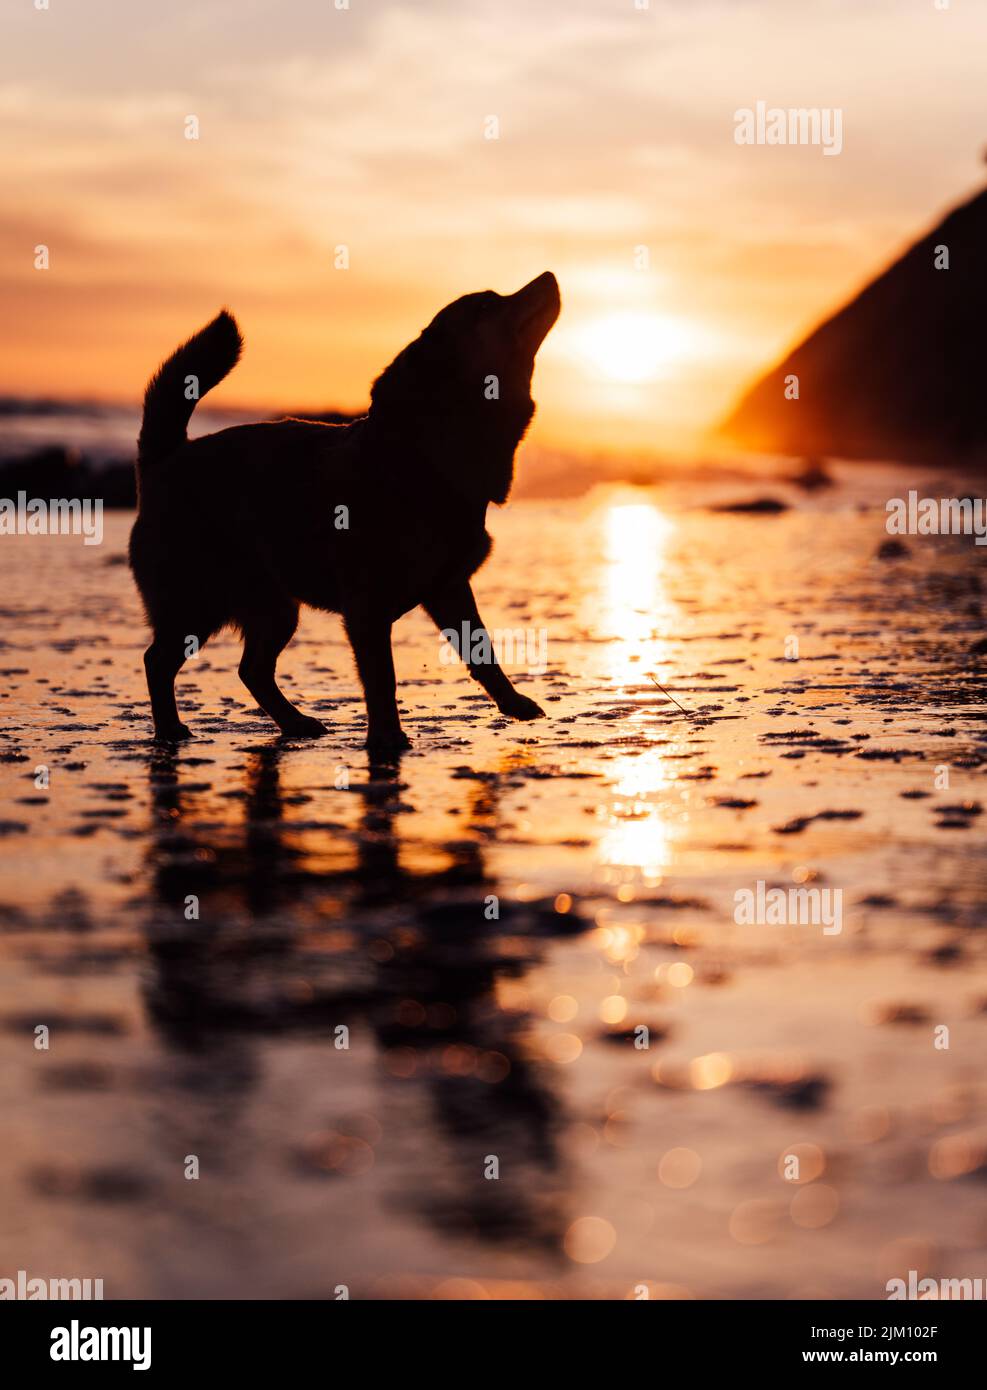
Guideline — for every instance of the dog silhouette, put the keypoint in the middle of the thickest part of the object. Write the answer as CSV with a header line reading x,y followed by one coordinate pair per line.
x,y
369,520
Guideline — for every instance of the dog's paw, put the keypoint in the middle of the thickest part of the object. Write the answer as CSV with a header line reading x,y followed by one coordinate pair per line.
x,y
389,745
304,727
172,733
520,707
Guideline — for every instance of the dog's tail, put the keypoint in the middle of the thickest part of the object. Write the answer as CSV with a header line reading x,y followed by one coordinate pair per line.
x,y
172,393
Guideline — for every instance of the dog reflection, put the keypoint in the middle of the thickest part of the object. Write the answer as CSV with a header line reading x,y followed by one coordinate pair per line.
x,y
285,941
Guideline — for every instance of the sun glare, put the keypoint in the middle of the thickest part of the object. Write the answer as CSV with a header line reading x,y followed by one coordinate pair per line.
x,y
632,602
633,346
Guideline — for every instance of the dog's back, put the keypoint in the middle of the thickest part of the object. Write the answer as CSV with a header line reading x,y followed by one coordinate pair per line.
x,y
221,518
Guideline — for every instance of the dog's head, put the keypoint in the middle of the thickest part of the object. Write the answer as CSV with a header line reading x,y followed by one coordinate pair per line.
x,y
469,373
496,335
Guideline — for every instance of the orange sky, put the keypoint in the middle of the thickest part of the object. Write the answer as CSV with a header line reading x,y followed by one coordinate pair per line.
x,y
365,127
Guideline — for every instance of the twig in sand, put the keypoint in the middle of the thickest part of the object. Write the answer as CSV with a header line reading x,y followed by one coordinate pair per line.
x,y
687,713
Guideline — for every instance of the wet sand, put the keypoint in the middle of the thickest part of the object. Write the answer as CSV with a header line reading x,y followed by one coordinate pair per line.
x,y
491,925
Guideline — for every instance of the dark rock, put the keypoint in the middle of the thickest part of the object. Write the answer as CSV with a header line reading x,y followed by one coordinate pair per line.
x,y
896,373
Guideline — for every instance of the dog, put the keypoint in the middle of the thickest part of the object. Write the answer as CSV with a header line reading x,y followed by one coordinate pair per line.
x,y
369,520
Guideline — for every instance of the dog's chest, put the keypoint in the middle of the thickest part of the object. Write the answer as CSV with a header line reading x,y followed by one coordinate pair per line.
x,y
437,547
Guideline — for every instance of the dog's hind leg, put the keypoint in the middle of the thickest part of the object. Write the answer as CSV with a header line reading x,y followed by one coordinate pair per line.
x,y
163,660
266,632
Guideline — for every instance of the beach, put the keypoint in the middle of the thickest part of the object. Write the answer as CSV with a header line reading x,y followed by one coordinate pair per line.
x,y
486,1024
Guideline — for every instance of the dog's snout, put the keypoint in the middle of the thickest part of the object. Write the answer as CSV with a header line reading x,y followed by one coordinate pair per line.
x,y
542,289
536,307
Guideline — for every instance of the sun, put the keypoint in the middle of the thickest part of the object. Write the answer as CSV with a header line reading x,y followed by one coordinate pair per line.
x,y
633,346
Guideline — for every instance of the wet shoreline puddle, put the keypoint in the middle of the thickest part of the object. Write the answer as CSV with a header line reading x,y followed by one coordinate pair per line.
x,y
518,946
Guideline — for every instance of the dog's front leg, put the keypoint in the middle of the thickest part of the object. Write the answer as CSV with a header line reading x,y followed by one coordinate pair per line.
x,y
455,614
370,638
